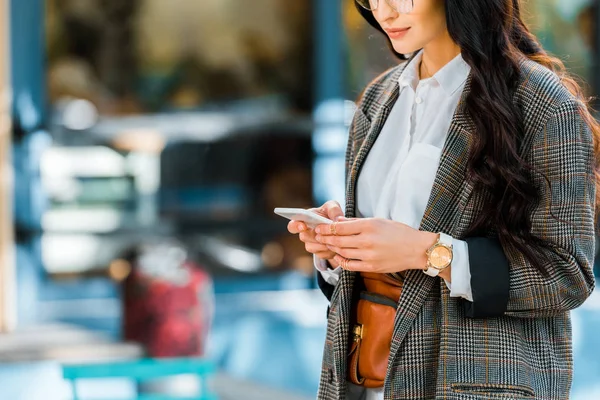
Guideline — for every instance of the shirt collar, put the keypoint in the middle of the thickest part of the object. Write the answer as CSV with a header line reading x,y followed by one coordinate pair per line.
x,y
450,77
410,74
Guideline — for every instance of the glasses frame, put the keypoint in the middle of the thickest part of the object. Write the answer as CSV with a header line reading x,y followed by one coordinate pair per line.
x,y
390,3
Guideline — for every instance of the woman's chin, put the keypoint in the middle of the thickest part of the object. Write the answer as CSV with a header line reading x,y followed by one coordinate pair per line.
x,y
404,48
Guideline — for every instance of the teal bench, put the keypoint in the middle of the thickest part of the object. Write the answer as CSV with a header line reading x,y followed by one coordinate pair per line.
x,y
145,370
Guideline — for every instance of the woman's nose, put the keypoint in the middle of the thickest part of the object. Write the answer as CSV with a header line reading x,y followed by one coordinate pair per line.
x,y
384,11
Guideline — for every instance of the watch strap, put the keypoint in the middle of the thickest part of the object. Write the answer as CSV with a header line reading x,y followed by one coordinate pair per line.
x,y
432,271
445,239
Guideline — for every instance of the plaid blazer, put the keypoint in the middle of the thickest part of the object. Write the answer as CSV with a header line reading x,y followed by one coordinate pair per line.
x,y
441,349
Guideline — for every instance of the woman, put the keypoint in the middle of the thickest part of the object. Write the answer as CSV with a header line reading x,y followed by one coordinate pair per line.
x,y
470,199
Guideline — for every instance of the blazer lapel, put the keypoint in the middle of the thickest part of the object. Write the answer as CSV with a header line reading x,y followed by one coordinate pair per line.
x,y
345,286
382,107
449,196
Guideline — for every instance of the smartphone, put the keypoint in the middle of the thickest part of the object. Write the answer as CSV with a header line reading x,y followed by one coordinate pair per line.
x,y
310,218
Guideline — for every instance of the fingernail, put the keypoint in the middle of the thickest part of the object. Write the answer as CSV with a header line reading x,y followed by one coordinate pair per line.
x,y
318,230
318,238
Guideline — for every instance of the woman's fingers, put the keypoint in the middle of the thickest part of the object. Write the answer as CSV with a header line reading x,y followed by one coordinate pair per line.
x,y
326,255
296,227
331,210
353,265
314,247
308,236
353,254
334,210
345,228
345,242
319,250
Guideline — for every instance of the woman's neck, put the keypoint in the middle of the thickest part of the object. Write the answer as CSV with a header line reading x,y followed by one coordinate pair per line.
x,y
436,54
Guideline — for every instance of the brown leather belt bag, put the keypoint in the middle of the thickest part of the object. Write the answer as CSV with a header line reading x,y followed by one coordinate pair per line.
x,y
372,333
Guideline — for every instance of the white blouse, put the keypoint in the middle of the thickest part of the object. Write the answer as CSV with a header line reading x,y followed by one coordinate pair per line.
x,y
398,174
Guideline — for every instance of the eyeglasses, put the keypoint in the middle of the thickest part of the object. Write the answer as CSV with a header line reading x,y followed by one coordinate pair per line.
x,y
401,6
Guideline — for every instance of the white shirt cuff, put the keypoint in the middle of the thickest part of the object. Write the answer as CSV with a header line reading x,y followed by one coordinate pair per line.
x,y
331,276
461,274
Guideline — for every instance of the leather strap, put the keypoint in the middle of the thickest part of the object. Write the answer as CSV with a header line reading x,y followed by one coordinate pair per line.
x,y
353,367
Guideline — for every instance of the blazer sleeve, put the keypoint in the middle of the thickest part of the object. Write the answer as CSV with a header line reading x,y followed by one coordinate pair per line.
x,y
502,280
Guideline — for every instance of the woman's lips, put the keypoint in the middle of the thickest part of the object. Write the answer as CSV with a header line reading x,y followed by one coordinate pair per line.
x,y
396,33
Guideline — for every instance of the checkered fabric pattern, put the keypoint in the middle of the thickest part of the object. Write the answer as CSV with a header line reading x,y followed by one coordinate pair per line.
x,y
437,352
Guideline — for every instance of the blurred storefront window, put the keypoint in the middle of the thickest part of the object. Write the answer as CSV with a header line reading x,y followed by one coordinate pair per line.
x,y
137,56
179,118
566,30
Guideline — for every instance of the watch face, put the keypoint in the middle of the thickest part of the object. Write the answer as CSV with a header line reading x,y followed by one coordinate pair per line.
x,y
440,257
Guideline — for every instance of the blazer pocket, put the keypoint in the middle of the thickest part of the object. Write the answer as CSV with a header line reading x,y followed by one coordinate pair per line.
x,y
492,390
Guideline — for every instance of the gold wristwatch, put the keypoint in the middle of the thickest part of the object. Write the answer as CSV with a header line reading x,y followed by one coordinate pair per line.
x,y
439,256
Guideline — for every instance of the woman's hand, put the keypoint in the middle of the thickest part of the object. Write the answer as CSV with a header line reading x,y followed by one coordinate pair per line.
x,y
376,245
331,210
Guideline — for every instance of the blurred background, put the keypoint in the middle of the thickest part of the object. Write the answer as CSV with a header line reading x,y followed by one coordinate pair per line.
x,y
143,147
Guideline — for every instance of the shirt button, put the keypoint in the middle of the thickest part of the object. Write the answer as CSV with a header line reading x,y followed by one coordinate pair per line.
x,y
418,100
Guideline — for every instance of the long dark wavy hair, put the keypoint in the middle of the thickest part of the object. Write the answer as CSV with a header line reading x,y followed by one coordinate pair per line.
x,y
493,39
